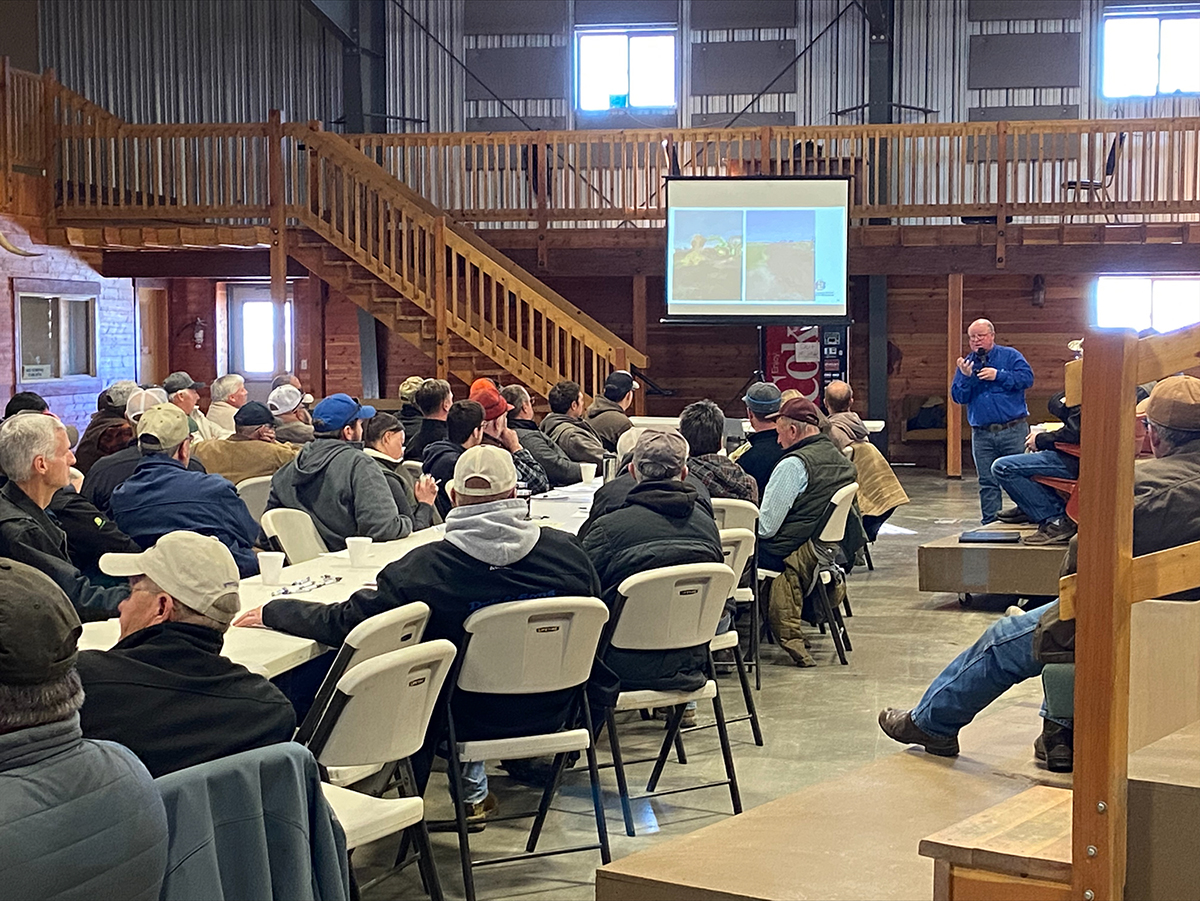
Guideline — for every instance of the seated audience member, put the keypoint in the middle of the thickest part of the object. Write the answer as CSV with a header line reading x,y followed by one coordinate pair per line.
x,y
292,422
383,442
761,452
794,509
410,414
1166,498
36,458
565,426
251,451
491,554
497,433
78,818
702,425
845,425
27,401
464,430
163,496
183,391
606,415
659,525
1039,503
228,394
108,431
433,398
164,690
335,483
559,468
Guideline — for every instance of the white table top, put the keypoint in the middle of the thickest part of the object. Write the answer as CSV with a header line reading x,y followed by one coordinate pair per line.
x,y
272,653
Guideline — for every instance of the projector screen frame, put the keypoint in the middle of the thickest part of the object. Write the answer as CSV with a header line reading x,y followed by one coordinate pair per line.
x,y
692,319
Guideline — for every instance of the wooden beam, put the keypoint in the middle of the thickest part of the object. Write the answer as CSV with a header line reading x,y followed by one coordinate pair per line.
x,y
218,264
438,250
1102,617
1163,355
1154,576
954,333
275,188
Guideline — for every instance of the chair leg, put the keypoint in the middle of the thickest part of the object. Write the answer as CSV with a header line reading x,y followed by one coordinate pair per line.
x,y
756,642
841,625
735,795
672,737
870,563
829,615
619,769
560,763
594,777
748,695
846,604
429,873
460,819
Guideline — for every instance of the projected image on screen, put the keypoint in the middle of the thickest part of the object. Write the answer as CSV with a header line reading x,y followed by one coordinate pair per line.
x,y
781,255
706,255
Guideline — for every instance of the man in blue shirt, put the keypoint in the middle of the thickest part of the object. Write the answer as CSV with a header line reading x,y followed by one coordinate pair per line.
x,y
992,381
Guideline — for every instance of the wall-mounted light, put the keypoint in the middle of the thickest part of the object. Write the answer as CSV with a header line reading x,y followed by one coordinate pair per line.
x,y
1038,298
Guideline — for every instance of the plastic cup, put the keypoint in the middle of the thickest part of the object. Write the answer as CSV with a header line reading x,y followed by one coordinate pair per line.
x,y
360,551
270,565
587,472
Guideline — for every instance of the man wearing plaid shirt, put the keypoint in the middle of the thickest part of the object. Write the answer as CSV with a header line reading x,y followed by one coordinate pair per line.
x,y
703,427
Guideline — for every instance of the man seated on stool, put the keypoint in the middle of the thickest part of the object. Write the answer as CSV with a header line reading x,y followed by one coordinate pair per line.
x,y
761,452
660,524
164,690
1166,498
251,451
78,818
491,554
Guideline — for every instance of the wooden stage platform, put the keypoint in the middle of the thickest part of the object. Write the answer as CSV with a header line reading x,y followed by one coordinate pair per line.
x,y
966,569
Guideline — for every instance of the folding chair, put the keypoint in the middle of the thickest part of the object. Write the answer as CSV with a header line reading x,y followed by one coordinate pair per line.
x,y
1101,185
826,547
663,609
848,450
295,533
521,648
738,548
254,493
379,713
735,514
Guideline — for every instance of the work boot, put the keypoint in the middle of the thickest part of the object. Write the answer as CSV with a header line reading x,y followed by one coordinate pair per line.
x,y
1052,532
1013,516
899,725
1055,747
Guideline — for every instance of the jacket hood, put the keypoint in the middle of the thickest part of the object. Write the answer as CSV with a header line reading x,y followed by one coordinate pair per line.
x,y
316,456
603,405
522,424
668,497
438,450
851,423
554,420
496,533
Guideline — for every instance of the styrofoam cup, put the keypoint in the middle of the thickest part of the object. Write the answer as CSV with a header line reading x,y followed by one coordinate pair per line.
x,y
270,565
587,471
360,551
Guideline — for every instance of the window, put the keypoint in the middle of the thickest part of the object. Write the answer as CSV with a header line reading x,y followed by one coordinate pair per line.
x,y
253,329
58,337
1147,55
619,68
1163,304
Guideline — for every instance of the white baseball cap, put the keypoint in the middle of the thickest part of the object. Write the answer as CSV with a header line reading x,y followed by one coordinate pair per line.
x,y
195,569
142,400
284,399
484,470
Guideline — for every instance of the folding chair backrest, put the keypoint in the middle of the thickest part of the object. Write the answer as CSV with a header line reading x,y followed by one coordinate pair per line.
x,y
254,493
527,647
835,526
738,547
296,533
1110,165
672,606
381,708
734,514
413,467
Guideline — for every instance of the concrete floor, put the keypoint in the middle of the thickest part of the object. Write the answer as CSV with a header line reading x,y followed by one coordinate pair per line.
x,y
818,723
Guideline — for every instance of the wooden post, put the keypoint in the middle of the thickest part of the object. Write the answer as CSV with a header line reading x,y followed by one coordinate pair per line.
x,y
1102,617
1001,191
954,332
278,209
50,147
7,122
439,295
639,335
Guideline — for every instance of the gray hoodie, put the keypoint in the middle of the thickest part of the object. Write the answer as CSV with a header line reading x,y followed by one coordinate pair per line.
x,y
342,489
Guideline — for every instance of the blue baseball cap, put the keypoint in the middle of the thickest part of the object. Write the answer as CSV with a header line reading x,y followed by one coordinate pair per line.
x,y
337,411
763,398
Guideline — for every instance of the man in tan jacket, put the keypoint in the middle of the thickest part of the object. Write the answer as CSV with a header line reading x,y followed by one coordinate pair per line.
x,y
251,451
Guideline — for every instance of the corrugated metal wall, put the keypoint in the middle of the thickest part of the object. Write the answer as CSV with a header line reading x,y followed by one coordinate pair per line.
x,y
194,60
832,76
930,60
424,82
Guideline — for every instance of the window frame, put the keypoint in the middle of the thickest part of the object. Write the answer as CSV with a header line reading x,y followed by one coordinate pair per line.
x,y
62,293
258,292
627,31
1149,11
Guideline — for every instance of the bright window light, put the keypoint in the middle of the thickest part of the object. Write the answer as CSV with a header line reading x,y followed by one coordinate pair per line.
x,y
1176,304
1180,57
1144,56
626,68
258,325
1163,304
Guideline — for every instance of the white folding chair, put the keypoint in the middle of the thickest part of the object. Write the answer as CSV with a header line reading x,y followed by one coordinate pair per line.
x,y
827,567
738,547
848,450
413,467
669,608
254,493
730,513
295,532
379,713
520,648
734,514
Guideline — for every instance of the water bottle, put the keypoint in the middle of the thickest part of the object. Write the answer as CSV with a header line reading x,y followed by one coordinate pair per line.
x,y
609,470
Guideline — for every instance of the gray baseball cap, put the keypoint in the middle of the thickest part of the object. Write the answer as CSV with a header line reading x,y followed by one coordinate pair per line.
x,y
178,381
39,629
660,455
763,398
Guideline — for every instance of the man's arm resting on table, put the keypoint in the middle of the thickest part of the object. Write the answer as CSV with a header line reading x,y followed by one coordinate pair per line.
x,y
327,623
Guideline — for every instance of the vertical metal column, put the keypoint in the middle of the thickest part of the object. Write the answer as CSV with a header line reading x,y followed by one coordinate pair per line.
x,y
881,22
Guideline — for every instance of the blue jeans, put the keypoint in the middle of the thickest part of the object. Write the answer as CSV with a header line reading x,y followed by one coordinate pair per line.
x,y
1015,475
999,659
475,781
987,447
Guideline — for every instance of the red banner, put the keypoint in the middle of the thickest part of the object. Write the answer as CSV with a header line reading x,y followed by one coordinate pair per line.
x,y
793,358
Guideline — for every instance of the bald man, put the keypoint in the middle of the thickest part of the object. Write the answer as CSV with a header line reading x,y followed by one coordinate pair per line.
x,y
991,381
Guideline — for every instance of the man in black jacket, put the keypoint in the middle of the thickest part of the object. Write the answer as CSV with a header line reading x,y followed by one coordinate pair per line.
x,y
434,399
560,469
490,554
761,452
660,524
164,690
464,430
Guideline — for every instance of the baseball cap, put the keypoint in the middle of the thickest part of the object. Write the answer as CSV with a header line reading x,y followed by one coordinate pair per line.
x,y
490,468
178,381
618,384
119,392
486,394
762,398
1175,403
660,454
253,413
337,411
39,629
408,388
284,399
142,400
800,409
195,569
164,425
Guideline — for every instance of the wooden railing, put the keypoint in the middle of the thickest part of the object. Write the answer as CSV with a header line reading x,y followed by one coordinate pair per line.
x,y
22,127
